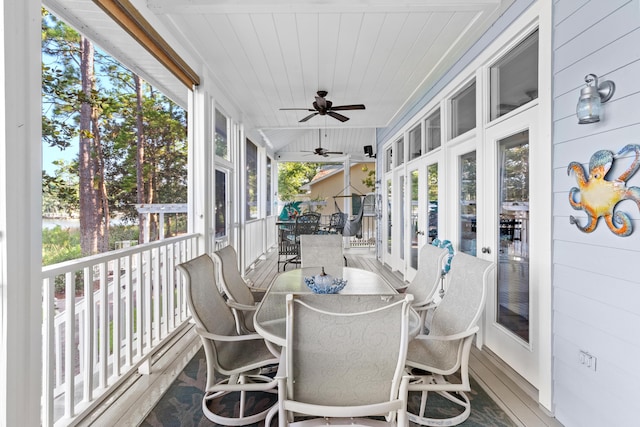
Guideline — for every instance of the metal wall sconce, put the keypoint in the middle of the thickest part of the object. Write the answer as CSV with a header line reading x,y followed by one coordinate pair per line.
x,y
592,97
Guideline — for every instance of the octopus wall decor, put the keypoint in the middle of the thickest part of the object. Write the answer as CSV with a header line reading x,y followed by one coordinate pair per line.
x,y
598,196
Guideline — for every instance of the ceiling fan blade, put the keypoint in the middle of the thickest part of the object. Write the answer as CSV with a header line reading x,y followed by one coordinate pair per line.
x,y
338,116
333,152
349,107
308,117
297,109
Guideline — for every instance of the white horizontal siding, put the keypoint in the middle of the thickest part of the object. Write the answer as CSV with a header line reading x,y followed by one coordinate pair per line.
x,y
596,275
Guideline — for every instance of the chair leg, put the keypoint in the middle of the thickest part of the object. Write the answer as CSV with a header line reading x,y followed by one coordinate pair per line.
x,y
213,399
458,397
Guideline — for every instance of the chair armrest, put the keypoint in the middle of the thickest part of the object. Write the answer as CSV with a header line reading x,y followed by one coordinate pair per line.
x,y
242,307
425,306
281,373
453,337
227,338
258,293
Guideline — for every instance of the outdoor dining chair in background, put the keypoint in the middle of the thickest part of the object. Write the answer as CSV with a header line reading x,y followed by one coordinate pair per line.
x,y
322,250
240,297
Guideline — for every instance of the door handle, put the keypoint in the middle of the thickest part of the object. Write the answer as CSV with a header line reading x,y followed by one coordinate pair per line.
x,y
486,250
420,232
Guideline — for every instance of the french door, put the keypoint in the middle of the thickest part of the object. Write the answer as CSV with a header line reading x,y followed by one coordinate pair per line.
x,y
422,194
511,315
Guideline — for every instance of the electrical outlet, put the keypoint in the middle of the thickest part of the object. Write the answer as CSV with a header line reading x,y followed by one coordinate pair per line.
x,y
587,360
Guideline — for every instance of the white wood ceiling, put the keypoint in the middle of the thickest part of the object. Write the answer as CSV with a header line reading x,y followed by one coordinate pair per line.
x,y
270,54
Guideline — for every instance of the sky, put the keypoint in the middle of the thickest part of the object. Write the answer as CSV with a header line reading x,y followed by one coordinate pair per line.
x,y
50,154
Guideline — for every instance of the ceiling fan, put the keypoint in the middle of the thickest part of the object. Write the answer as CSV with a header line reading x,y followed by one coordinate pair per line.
x,y
323,151
323,107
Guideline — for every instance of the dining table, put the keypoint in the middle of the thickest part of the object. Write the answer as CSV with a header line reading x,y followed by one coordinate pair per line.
x,y
270,315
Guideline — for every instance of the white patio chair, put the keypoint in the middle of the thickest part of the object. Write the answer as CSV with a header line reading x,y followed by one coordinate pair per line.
x,y
241,358
433,358
240,296
322,250
344,360
428,279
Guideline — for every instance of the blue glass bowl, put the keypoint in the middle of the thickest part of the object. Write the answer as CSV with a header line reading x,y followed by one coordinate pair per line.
x,y
337,285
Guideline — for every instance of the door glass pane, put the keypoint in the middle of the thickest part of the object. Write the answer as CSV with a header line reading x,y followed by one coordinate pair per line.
x,y
414,219
463,111
432,125
513,223
221,204
389,212
432,188
415,142
468,203
514,78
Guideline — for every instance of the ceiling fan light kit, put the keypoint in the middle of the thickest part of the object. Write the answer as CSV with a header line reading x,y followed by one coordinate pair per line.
x,y
324,107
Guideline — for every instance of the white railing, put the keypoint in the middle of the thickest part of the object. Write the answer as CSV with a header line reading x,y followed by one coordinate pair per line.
x,y
104,317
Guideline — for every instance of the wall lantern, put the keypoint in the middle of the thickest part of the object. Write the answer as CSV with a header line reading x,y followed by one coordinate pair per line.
x,y
592,97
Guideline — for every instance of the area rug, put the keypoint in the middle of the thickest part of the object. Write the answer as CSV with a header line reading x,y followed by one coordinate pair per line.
x,y
181,405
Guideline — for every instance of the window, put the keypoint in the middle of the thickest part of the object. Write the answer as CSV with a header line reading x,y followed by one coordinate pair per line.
x,y
514,78
463,111
221,138
400,151
432,126
251,181
269,188
415,142
388,159
221,204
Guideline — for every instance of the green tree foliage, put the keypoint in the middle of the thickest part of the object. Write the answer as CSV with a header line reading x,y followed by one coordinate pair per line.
x,y
113,132
292,176
370,179
60,194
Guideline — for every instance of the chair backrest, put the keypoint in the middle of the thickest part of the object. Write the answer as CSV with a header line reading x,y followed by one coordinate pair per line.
x,y
345,350
307,223
321,250
208,308
429,275
232,283
460,309
336,221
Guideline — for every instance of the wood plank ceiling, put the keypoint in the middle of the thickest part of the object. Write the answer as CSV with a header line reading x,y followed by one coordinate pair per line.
x,y
264,55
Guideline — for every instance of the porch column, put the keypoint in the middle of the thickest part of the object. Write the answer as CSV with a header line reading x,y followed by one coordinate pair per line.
x,y
346,206
200,167
20,215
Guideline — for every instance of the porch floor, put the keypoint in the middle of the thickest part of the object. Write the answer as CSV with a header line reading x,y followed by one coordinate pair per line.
x,y
512,393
